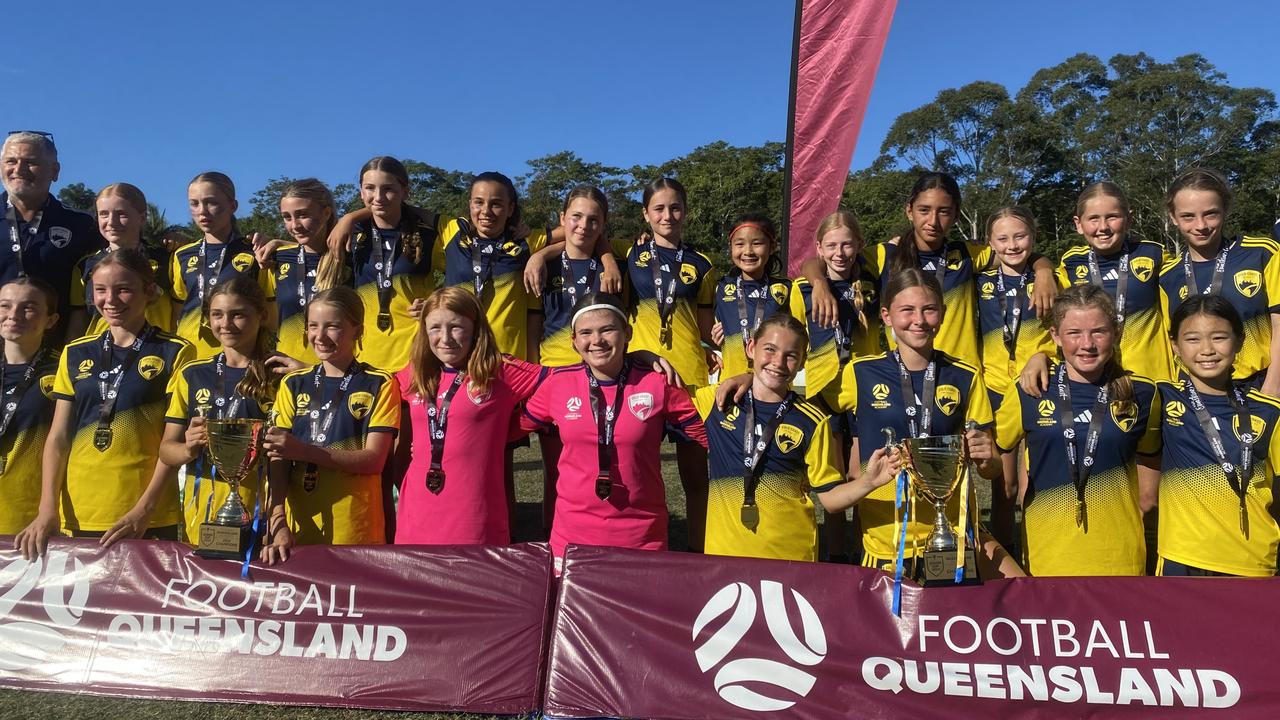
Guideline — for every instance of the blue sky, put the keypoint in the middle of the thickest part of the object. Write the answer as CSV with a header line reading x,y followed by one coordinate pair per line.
x,y
157,92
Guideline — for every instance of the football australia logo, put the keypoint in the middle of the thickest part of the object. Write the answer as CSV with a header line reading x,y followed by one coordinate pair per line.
x,y
880,396
761,684
58,590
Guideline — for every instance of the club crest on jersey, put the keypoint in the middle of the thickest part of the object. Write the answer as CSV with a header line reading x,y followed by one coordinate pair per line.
x,y
730,421
1142,267
640,405
242,261
1124,415
46,386
478,398
1248,282
150,366
688,274
59,236
360,404
788,437
1259,426
947,398
573,405
780,292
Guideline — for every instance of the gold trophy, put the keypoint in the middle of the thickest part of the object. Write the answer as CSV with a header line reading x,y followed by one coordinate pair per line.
x,y
234,446
937,466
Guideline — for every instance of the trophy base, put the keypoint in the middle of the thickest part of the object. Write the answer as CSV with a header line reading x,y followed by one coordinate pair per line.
x,y
939,568
226,542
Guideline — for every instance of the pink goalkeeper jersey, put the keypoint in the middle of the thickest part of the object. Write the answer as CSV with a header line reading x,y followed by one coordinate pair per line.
x,y
635,515
472,505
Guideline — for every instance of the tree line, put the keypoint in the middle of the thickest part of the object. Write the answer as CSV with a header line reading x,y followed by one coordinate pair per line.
x,y
1131,119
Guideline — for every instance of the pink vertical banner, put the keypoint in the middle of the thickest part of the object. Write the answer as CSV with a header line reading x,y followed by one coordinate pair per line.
x,y
839,45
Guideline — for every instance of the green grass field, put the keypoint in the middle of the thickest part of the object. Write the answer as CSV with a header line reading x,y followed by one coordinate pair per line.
x,y
15,704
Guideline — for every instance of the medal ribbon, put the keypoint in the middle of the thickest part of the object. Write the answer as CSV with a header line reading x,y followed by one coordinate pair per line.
x,y
666,300
606,420
110,393
753,450
384,256
1122,280
1238,476
1011,326
205,279
304,294
749,325
919,416
319,435
437,426
1080,468
230,404
13,396
1219,269
569,285
33,228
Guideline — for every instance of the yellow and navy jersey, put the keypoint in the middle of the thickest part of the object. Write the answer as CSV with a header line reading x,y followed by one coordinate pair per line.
x,y
958,336
22,446
800,459
103,485
410,279
556,308
1250,281
1144,346
774,294
503,295
695,289
1110,541
999,366
1199,510
872,389
234,257
159,310
198,390
823,362
341,509
293,281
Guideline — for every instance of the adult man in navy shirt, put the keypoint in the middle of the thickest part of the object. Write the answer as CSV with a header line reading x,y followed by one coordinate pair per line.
x,y
38,235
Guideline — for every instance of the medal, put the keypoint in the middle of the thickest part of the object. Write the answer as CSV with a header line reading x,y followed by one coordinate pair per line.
x,y
435,481
384,321
102,438
664,335
751,517
604,486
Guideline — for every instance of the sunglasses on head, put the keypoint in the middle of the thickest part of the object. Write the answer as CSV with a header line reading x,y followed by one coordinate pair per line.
x,y
46,135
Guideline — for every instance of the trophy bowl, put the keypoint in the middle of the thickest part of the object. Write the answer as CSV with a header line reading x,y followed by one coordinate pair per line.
x,y
234,446
936,467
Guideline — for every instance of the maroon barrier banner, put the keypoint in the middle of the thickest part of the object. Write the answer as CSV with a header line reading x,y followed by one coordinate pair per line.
x,y
449,628
670,635
837,53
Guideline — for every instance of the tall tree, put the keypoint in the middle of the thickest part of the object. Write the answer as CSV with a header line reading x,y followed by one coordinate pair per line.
x,y
79,196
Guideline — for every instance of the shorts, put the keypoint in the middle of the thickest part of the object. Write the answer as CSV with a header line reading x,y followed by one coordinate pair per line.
x,y
910,568
1173,568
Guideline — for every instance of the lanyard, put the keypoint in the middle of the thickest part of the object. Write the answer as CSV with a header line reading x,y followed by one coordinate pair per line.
x,y
304,293
1238,476
844,340
606,417
569,285
1079,468
1219,268
319,428
482,252
109,393
749,325
919,415
18,246
13,396
227,405
383,259
755,441
437,425
1011,326
206,280
1122,280
666,301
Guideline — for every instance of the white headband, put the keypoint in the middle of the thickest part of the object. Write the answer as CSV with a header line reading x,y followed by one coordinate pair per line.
x,y
597,306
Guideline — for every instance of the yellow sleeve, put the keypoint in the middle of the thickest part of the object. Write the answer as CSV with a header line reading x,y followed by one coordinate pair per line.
x,y
186,354
75,298
62,381
176,283
979,402
537,240
386,407
1009,430
847,399
820,458
874,258
284,406
1271,280
1273,452
981,254
621,248
1064,280
707,290
1164,303
179,389
704,399
446,230
1150,442
796,301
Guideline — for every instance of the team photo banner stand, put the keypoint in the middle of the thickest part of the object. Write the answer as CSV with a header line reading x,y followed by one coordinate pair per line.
x,y
451,628
672,635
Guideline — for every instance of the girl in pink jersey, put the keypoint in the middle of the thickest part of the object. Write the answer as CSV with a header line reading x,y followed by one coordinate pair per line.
x,y
461,394
611,414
